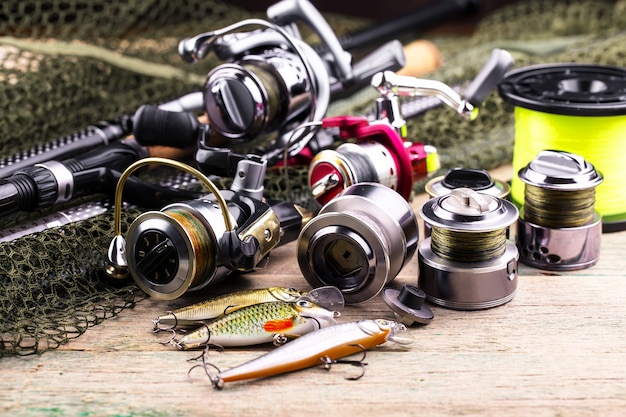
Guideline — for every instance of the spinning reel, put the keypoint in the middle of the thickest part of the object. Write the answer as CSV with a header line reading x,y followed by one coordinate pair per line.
x,y
272,81
189,245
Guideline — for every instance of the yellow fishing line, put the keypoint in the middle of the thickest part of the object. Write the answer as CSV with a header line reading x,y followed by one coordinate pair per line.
x,y
601,140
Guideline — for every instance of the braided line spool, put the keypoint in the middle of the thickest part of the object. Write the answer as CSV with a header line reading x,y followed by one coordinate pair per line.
x,y
468,263
575,108
559,228
476,179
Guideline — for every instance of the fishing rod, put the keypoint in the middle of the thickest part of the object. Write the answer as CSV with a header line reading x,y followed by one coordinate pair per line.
x,y
100,133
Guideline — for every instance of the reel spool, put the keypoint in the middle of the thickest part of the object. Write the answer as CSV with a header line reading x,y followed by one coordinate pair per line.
x,y
176,249
574,108
475,179
359,241
379,155
467,263
559,228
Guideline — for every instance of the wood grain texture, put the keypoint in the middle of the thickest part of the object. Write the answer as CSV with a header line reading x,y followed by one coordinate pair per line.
x,y
557,349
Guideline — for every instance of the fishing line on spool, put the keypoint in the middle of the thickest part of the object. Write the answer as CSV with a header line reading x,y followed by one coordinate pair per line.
x,y
559,228
467,263
575,108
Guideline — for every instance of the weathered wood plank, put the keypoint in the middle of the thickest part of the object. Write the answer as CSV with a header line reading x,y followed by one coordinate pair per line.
x,y
558,348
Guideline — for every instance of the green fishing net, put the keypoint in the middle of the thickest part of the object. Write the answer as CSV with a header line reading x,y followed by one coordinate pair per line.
x,y
67,64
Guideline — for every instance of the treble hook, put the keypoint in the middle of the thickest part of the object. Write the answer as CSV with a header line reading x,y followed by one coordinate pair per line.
x,y
173,329
157,321
216,381
176,342
171,339
328,362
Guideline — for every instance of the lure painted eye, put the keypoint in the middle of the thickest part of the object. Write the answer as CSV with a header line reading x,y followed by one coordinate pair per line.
x,y
304,303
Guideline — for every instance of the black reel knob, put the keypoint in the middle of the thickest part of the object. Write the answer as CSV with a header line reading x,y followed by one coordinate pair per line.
x,y
157,257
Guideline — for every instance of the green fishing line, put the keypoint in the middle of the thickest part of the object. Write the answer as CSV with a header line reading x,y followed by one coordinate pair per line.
x,y
574,108
600,140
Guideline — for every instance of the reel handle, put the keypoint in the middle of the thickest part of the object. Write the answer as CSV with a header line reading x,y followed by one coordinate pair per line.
x,y
388,57
498,64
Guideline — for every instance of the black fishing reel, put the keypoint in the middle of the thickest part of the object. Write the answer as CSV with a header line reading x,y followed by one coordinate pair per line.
x,y
272,81
189,245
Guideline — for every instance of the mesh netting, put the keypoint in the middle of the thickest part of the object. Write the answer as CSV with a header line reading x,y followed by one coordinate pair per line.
x,y
67,64
534,32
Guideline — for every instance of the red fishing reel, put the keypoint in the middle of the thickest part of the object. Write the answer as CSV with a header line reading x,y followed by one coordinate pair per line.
x,y
377,154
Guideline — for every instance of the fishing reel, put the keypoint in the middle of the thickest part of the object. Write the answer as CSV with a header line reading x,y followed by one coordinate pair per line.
x,y
189,245
272,81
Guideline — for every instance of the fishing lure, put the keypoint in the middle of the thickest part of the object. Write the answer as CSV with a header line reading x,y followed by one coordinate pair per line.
x,y
259,323
321,347
327,297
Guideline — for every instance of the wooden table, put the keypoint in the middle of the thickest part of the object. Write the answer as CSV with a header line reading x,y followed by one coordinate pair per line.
x,y
557,349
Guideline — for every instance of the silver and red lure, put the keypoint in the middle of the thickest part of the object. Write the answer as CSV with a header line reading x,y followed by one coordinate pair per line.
x,y
321,347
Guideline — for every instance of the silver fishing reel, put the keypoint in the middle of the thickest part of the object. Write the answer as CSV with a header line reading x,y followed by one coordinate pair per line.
x,y
272,81
189,245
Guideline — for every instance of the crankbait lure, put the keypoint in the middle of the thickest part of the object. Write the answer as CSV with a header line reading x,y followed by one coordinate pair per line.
x,y
259,323
321,347
328,297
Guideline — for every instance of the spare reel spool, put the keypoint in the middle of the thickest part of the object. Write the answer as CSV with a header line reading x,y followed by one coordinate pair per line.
x,y
575,108
359,241
559,228
468,263
476,179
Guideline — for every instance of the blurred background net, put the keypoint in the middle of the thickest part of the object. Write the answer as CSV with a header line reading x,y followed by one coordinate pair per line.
x,y
67,64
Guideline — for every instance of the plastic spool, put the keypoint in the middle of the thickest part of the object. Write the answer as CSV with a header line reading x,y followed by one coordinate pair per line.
x,y
559,228
468,263
574,108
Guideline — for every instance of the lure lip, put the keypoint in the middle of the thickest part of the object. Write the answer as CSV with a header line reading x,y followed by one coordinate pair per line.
x,y
323,316
328,297
398,332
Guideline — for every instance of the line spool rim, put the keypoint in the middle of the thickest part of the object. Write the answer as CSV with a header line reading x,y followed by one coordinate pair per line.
x,y
568,89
